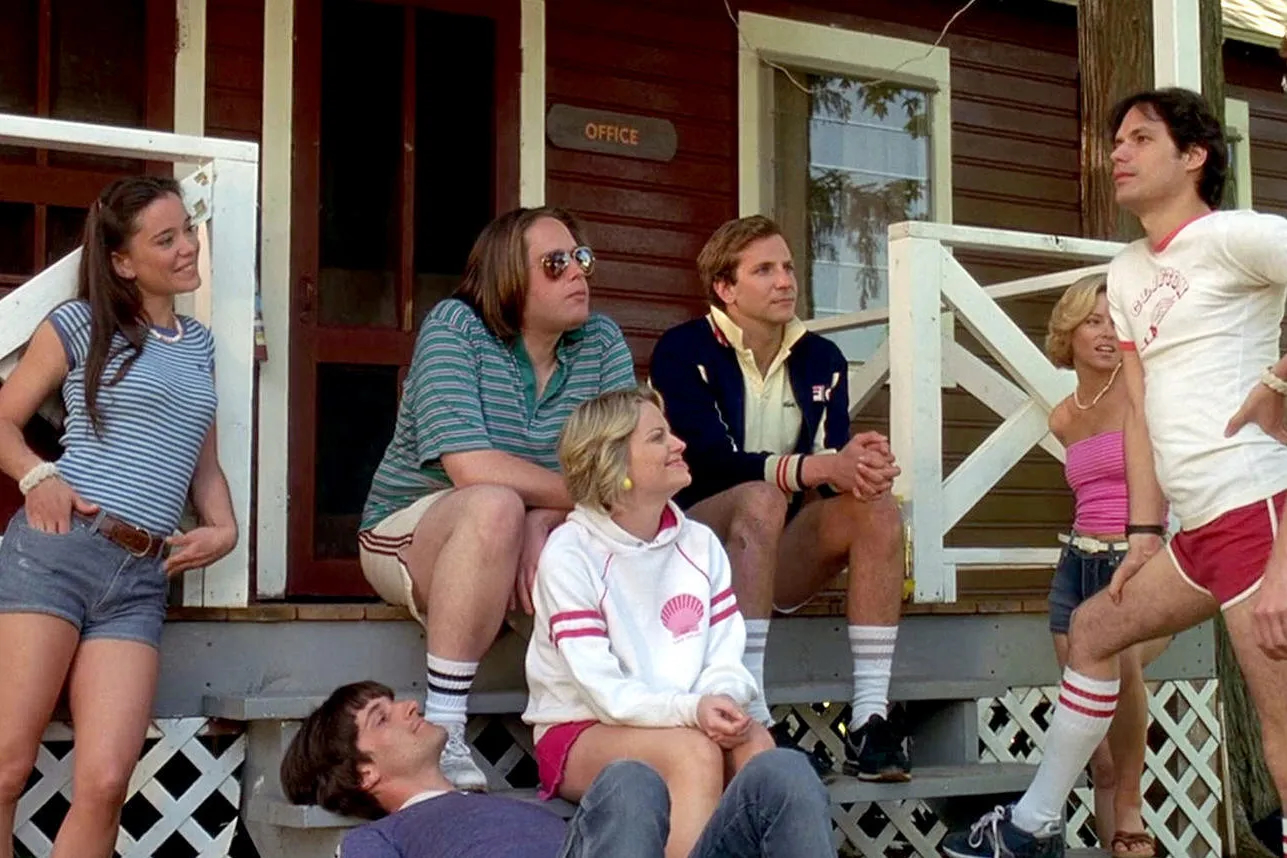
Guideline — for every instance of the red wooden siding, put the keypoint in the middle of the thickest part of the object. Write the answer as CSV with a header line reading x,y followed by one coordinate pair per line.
x,y
235,69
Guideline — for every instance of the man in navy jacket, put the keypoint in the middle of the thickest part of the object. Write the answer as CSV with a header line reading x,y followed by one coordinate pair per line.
x,y
763,406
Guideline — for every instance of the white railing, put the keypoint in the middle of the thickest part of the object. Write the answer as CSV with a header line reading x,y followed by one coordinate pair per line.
x,y
929,292
223,191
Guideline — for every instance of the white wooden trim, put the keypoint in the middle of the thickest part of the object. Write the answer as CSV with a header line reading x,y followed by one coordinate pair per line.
x,y
986,238
531,87
234,239
991,460
190,118
1001,336
1177,44
866,378
144,144
997,292
1002,556
271,519
189,74
1000,395
916,266
848,52
1237,115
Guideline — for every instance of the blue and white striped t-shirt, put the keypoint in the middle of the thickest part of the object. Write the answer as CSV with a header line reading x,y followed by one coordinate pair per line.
x,y
154,421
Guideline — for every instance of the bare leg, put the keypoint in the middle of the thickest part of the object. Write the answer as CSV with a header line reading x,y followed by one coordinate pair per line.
x,y
1128,739
112,686
38,650
463,559
759,742
826,535
691,765
748,519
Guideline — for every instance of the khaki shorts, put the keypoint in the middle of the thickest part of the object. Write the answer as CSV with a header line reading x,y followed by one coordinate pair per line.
x,y
380,553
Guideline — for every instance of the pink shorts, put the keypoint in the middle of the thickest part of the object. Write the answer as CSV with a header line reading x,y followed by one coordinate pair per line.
x,y
552,754
1226,558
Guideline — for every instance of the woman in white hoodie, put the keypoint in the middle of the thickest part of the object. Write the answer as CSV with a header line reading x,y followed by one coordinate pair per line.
x,y
637,647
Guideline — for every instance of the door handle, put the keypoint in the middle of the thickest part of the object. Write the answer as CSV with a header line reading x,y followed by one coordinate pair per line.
x,y
307,297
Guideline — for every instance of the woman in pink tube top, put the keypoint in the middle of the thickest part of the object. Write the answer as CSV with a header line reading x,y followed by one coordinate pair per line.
x,y
1089,424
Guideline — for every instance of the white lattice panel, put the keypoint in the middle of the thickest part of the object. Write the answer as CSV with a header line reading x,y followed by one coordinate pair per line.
x,y
184,789
1181,784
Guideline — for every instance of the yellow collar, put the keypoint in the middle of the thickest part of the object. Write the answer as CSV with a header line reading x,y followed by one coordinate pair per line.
x,y
730,333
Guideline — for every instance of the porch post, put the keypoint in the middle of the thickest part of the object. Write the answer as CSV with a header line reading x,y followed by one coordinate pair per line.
x,y
1177,44
916,270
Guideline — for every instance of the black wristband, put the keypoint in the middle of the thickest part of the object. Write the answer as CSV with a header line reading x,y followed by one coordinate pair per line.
x,y
1154,529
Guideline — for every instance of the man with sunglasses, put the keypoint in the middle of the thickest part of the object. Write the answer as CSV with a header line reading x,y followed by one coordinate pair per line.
x,y
469,486
763,406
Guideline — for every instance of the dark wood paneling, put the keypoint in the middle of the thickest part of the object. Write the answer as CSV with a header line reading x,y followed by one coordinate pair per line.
x,y
235,69
1254,74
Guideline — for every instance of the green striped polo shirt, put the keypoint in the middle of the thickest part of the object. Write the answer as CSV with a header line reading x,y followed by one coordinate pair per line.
x,y
468,390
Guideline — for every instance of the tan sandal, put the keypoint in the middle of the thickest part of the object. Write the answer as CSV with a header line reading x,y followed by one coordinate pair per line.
x,y
1126,844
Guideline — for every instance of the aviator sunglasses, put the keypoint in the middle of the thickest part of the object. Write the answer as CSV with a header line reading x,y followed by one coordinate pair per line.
x,y
556,262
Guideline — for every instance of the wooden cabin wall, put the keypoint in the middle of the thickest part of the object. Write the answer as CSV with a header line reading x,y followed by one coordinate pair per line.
x,y
235,69
1015,166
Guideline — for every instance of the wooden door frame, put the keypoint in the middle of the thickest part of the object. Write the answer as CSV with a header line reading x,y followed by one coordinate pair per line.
x,y
305,574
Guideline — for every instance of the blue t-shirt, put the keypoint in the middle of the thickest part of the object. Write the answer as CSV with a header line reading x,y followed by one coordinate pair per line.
x,y
154,420
460,825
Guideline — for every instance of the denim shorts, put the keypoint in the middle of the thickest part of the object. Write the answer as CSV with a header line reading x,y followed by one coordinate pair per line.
x,y
1079,575
84,578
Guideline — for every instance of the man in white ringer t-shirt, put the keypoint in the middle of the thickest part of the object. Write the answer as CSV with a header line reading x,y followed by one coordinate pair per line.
x,y
1198,305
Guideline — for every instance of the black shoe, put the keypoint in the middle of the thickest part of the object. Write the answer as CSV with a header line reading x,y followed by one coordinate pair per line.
x,y
818,758
996,836
874,752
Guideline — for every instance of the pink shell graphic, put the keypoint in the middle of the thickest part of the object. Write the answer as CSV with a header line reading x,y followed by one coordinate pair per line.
x,y
682,614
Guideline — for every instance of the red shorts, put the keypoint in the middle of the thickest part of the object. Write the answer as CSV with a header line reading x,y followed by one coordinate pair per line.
x,y
552,754
1226,558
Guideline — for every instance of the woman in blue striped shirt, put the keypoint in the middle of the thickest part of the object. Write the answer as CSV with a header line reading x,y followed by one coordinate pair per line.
x,y
84,563
469,487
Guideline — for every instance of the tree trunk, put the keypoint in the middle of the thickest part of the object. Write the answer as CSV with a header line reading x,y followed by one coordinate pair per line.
x,y
1115,58
1115,44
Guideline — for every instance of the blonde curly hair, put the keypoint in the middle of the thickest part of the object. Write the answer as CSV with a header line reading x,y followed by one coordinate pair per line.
x,y
594,446
1072,308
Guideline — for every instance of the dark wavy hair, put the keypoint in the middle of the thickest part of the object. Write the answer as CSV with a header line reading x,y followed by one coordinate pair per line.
x,y
115,302
320,765
1191,122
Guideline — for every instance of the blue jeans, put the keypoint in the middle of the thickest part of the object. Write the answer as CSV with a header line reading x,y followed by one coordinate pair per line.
x,y
1079,575
775,808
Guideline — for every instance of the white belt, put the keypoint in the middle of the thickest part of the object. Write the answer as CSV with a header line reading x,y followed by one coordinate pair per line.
x,y
1091,545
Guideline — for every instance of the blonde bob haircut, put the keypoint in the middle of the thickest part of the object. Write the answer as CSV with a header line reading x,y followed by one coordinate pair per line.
x,y
594,447
1072,308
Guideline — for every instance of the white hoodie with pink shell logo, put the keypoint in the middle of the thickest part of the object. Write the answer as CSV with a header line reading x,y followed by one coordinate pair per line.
x,y
631,632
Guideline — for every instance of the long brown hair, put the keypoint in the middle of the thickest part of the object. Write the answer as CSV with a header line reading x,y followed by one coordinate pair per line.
x,y
115,303
495,281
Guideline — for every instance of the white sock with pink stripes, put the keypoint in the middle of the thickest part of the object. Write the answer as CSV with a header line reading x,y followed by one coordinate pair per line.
x,y
1081,721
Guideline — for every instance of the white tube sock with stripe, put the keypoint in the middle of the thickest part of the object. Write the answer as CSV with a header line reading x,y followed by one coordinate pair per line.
x,y
1080,723
872,649
757,636
448,689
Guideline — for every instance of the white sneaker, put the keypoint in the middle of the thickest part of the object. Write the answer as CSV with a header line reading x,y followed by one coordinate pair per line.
x,y
457,762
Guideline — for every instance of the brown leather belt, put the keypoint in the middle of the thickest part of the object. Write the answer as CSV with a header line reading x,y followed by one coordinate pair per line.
x,y
135,540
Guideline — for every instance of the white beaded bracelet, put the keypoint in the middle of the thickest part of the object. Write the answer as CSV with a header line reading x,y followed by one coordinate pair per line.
x,y
36,476
1270,380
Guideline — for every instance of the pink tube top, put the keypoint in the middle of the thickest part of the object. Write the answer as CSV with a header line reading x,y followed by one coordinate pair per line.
x,y
1096,472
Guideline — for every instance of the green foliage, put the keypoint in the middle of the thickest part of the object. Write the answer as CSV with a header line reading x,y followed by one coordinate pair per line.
x,y
859,213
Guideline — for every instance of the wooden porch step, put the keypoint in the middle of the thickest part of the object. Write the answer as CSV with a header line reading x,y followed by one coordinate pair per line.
x,y
283,814
930,782
269,706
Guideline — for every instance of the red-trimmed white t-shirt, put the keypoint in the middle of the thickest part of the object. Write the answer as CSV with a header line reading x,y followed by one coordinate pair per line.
x,y
1203,311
